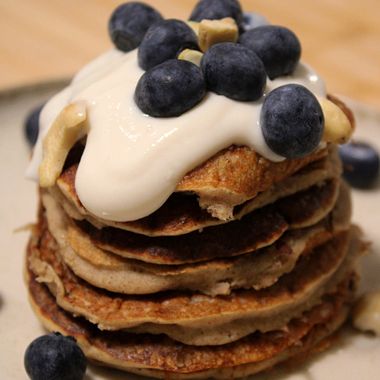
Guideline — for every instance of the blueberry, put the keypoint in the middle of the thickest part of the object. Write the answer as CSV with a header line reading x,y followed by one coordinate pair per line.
x,y
165,40
278,48
31,125
253,20
129,23
234,71
55,357
292,121
170,89
217,9
360,164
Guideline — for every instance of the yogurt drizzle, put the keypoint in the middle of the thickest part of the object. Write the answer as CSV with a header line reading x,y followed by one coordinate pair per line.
x,y
133,162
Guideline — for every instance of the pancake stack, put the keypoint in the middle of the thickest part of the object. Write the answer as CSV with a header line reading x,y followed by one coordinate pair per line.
x,y
247,264
249,259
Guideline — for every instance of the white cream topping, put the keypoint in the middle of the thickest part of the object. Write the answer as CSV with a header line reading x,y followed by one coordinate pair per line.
x,y
133,162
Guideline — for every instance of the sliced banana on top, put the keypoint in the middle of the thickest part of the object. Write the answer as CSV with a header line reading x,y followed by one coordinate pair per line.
x,y
338,128
190,55
68,128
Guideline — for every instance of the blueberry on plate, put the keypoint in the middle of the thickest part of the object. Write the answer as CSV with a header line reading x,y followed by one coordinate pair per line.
x,y
278,48
217,9
360,164
253,20
234,71
165,40
170,89
129,23
292,121
31,125
54,356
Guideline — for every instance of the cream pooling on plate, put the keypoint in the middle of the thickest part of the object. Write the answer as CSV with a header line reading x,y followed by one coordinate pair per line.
x,y
133,162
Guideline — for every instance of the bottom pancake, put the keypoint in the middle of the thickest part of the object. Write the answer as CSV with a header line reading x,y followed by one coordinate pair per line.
x,y
162,357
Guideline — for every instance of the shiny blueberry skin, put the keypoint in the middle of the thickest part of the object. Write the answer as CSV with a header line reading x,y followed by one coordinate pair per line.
x,y
360,164
234,71
292,121
170,89
278,48
55,357
31,125
165,40
129,22
217,9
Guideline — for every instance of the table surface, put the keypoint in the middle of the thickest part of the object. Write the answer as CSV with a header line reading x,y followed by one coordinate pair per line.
x,y
43,40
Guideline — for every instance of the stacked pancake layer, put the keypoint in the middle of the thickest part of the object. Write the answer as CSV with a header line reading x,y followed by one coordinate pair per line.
x,y
232,275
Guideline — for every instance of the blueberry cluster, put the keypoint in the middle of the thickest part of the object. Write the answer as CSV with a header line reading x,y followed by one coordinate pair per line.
x,y
237,70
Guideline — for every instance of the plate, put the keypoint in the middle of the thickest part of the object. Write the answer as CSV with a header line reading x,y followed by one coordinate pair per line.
x,y
354,356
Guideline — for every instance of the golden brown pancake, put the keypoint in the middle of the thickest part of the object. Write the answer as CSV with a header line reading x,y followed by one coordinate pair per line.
x,y
218,276
161,357
116,311
229,178
258,229
181,213
255,230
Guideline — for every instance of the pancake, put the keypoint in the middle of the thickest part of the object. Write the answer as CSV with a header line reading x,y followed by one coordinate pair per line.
x,y
116,311
258,229
218,270
229,178
309,206
181,213
236,329
262,269
161,357
237,174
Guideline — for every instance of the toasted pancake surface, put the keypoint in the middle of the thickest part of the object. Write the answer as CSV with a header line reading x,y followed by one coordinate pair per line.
x,y
115,311
181,213
218,276
258,229
162,357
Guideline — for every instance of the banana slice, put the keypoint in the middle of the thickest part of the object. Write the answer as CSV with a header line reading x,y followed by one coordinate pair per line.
x,y
338,128
194,25
68,128
190,55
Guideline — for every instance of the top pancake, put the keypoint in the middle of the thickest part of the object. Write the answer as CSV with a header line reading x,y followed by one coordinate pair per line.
x,y
181,213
